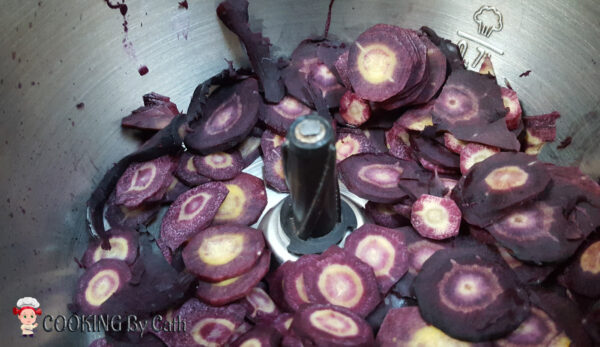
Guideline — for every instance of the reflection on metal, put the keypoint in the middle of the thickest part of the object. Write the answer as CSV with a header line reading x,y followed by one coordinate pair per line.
x,y
489,20
480,41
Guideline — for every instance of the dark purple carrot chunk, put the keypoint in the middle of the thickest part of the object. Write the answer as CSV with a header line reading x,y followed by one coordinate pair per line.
x,y
191,212
246,200
540,129
219,166
339,278
436,66
487,68
582,274
230,115
187,173
157,113
373,176
435,218
144,181
404,327
416,119
474,153
377,139
280,116
453,144
474,297
223,252
471,108
123,246
99,282
234,288
350,143
397,141
381,248
329,325
354,110
125,217
261,308
294,283
502,181
249,150
385,215
259,336
511,101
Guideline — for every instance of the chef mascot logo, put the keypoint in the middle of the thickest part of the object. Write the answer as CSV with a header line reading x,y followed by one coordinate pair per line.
x,y
27,310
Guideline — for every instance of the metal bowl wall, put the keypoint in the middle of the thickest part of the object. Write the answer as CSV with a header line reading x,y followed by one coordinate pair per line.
x,y
57,54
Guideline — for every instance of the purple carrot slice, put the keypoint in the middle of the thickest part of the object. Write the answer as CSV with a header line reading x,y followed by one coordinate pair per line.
x,y
453,144
246,200
379,63
261,308
381,248
354,110
540,130
582,274
219,166
341,279
283,322
511,101
475,296
259,336
416,119
294,283
537,330
329,325
142,181
222,252
157,113
434,152
502,181
187,173
240,331
404,327
437,66
385,215
175,189
377,138
275,281
487,68
429,166
373,176
527,273
397,141
350,143
119,216
234,288
280,116
191,212
99,282
274,174
249,150
230,115
270,143
474,153
341,67
435,218
123,246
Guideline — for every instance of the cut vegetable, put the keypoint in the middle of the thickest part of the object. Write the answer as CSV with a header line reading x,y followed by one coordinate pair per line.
x,y
261,308
246,200
259,336
191,212
487,68
511,101
123,246
187,173
527,273
234,288
270,143
385,215
373,177
416,119
99,283
353,110
283,322
435,153
222,252
435,218
249,150
294,283
582,275
231,113
453,144
474,153
350,143
474,297
144,182
275,281
397,141
280,116
175,189
405,327
537,330
381,248
426,164
540,129
219,166
157,113
341,67
341,279
125,217
329,325
377,138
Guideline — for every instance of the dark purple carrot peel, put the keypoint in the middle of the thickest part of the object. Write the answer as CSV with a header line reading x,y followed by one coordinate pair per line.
x,y
157,113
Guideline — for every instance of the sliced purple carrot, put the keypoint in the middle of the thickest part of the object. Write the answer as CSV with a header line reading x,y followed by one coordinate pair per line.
x,y
385,215
246,200
527,273
222,252
280,116
474,153
99,282
261,308
173,191
511,101
240,331
219,166
275,281
416,119
125,217
143,181
101,342
405,327
283,322
487,68
191,212
397,141
449,184
350,143
157,113
453,144
540,129
329,325
582,274
187,173
234,288
437,66
373,176
123,246
591,323
354,110
537,330
231,113
339,278
270,143
249,150
434,153
341,67
429,166
381,248
259,336
294,283
377,138
435,218
475,297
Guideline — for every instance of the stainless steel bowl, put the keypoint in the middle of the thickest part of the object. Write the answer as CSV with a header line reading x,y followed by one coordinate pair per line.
x,y
56,54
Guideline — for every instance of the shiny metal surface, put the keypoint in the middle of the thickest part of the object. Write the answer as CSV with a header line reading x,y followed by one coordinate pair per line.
x,y
65,52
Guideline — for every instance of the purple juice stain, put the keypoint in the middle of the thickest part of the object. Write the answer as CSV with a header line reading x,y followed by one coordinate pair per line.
x,y
525,74
184,4
80,106
143,70
565,143
127,45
